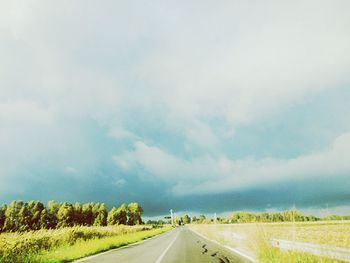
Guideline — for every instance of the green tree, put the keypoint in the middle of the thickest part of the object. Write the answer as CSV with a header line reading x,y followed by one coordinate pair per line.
x,y
101,215
13,220
35,209
134,214
52,210
291,215
65,215
201,218
112,217
122,214
2,217
118,216
186,219
24,218
45,220
78,214
53,206
87,214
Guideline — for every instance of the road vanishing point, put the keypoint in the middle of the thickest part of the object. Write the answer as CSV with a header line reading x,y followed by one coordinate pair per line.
x,y
179,245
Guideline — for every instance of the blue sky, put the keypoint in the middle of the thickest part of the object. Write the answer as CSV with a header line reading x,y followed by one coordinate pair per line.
x,y
198,106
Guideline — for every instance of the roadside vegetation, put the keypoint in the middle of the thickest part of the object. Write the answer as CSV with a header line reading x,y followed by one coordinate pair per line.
x,y
254,239
62,232
247,217
21,216
252,233
67,244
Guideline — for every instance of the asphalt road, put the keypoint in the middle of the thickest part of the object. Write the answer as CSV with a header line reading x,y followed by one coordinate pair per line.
x,y
177,246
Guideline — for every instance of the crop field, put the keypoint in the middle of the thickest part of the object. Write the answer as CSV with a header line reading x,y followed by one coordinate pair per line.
x,y
66,244
253,238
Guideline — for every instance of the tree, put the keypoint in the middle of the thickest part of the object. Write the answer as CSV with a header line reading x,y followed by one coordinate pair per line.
x,y
291,215
100,215
2,217
118,216
24,218
45,220
201,218
35,209
13,220
134,214
112,217
65,215
87,214
52,210
53,206
156,222
21,216
78,214
122,214
186,219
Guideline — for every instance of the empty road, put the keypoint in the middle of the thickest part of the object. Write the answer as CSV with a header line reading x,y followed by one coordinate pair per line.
x,y
178,245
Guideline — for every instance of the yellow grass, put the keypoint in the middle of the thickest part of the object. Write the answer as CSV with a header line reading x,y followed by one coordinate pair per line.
x,y
25,247
85,248
254,238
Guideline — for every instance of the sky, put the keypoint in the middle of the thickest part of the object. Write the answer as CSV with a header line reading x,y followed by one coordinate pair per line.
x,y
200,106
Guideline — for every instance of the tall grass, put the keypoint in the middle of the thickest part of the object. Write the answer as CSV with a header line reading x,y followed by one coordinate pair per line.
x,y
254,239
66,244
269,254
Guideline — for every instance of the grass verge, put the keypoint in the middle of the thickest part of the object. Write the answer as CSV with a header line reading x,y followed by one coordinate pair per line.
x,y
90,247
269,254
254,238
68,244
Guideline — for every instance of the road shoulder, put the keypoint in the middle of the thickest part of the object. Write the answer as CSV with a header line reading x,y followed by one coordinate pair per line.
x,y
232,250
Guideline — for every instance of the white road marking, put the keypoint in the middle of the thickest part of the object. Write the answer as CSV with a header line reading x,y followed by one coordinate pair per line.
x,y
166,250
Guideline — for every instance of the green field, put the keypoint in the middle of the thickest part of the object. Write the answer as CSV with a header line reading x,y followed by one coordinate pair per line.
x,y
67,244
253,238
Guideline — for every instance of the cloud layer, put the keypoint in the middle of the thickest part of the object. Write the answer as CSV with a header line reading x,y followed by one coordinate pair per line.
x,y
179,100
207,175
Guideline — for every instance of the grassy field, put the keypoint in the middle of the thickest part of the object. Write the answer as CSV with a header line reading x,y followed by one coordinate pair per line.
x,y
67,244
254,238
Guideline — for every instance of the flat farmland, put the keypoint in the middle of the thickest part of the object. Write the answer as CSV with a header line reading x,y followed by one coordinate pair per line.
x,y
254,238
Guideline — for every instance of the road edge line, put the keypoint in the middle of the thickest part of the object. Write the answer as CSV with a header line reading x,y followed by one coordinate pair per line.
x,y
166,250
225,246
119,248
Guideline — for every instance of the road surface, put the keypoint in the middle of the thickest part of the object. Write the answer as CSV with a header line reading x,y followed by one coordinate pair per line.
x,y
179,245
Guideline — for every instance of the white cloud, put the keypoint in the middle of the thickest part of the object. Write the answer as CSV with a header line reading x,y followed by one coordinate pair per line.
x,y
242,61
215,175
155,160
246,174
24,111
122,133
126,65
201,135
23,127
71,170
120,183
256,65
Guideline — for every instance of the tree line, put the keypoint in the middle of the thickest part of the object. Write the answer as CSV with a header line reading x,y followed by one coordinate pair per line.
x,y
34,215
293,215
284,216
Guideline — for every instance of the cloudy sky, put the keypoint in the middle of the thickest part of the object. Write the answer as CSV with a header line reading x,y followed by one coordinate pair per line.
x,y
193,105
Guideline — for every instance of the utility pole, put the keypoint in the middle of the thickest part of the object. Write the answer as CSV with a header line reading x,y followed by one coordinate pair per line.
x,y
172,217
